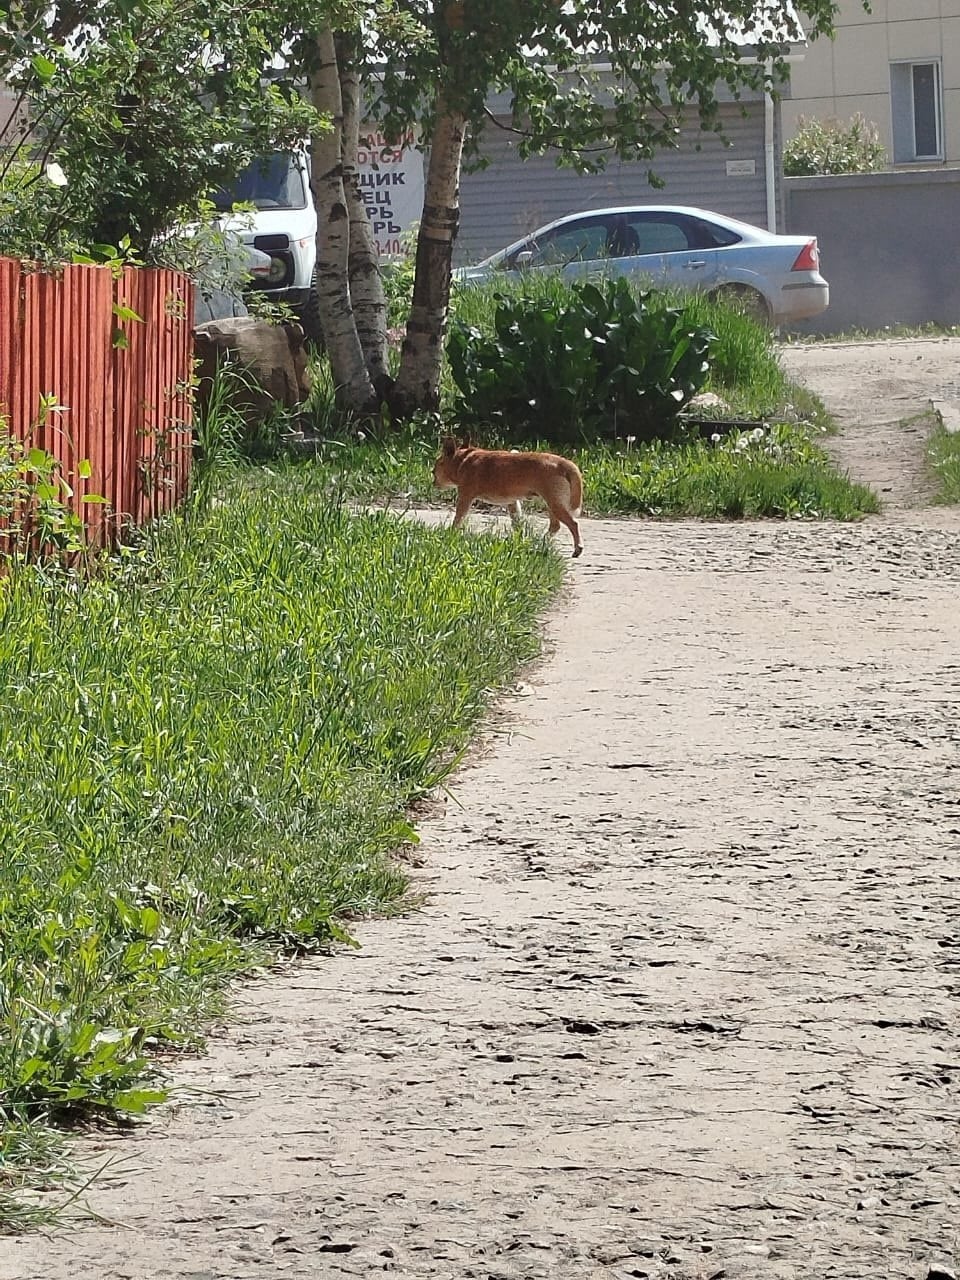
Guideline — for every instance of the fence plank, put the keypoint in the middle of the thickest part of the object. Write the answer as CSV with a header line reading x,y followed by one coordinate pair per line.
x,y
124,405
9,328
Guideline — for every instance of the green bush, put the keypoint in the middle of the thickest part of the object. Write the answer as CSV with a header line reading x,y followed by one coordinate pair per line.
x,y
28,202
599,360
829,146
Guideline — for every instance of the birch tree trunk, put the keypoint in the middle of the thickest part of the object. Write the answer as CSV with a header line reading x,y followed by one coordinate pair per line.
x,y
363,263
418,381
354,387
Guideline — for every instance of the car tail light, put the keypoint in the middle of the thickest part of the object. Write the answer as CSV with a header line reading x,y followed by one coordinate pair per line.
x,y
808,259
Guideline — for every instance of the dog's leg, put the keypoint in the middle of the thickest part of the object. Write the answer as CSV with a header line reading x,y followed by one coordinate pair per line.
x,y
463,506
564,517
515,512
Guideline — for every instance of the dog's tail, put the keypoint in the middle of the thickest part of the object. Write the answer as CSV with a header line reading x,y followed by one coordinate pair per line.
x,y
575,481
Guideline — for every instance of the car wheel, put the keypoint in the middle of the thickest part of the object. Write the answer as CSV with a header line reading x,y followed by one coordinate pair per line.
x,y
745,300
309,316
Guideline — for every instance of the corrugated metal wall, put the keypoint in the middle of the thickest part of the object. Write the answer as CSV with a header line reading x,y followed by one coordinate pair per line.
x,y
511,197
124,402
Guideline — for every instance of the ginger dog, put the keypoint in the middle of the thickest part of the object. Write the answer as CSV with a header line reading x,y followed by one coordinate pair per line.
x,y
503,478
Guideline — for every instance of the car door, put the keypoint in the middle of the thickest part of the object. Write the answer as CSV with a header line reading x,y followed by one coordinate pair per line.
x,y
666,248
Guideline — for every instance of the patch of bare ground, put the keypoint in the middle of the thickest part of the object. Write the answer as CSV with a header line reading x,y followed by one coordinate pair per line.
x,y
682,999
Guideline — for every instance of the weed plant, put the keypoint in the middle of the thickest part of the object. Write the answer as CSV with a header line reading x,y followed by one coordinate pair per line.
x,y
744,369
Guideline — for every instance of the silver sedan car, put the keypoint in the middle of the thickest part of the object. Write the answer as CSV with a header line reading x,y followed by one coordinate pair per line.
x,y
775,278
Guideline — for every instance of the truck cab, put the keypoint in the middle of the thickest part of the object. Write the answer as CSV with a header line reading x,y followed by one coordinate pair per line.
x,y
282,226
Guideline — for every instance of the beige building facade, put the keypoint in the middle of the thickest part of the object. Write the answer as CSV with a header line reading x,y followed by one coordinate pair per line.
x,y
898,66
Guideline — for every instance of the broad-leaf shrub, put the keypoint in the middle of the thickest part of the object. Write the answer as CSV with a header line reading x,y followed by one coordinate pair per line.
x,y
600,360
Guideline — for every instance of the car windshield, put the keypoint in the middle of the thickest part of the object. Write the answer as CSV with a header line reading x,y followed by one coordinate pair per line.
x,y
271,182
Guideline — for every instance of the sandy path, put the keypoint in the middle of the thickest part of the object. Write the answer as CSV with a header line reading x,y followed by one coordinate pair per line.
x,y
878,390
683,1000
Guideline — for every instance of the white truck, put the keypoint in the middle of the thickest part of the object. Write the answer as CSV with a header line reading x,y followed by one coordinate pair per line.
x,y
283,224
281,232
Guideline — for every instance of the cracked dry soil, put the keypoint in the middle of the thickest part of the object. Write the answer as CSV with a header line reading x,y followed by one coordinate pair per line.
x,y
682,1000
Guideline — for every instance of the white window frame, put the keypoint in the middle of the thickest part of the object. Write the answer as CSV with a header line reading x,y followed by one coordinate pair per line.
x,y
904,126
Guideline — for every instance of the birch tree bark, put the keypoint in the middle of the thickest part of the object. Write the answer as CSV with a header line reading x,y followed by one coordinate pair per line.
x,y
418,381
354,387
363,265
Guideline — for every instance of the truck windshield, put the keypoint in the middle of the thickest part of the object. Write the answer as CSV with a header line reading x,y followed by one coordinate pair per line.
x,y
272,182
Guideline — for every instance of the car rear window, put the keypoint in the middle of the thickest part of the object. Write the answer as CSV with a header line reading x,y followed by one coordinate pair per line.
x,y
658,235
707,235
670,232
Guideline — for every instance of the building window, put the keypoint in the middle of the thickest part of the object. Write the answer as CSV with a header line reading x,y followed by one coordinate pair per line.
x,y
917,108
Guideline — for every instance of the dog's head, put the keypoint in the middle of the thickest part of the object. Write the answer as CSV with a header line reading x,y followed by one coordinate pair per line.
x,y
445,467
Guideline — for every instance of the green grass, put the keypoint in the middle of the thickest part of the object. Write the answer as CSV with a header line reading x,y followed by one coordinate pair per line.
x,y
784,474
781,474
943,453
209,754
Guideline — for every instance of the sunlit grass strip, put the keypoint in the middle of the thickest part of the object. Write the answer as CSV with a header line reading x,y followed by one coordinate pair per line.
x,y
209,753
779,472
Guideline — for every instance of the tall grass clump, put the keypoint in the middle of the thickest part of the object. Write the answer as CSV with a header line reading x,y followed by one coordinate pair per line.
x,y
209,751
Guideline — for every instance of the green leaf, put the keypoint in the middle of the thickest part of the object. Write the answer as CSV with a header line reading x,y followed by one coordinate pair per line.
x,y
43,68
136,1101
126,313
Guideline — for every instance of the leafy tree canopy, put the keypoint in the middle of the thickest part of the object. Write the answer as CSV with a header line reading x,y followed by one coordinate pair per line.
x,y
590,78
145,107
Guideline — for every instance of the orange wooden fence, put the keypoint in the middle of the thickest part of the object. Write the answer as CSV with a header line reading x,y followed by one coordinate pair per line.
x,y
121,384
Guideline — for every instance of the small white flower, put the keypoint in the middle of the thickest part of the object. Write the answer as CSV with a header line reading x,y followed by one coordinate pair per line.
x,y
55,174
756,433
361,435
715,438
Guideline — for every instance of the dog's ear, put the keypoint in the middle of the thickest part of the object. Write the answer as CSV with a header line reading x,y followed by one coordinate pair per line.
x,y
449,447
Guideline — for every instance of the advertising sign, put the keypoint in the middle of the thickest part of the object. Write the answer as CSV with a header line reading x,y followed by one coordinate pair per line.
x,y
391,182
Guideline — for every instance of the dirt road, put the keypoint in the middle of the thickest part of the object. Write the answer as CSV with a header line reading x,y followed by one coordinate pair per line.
x,y
682,1001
